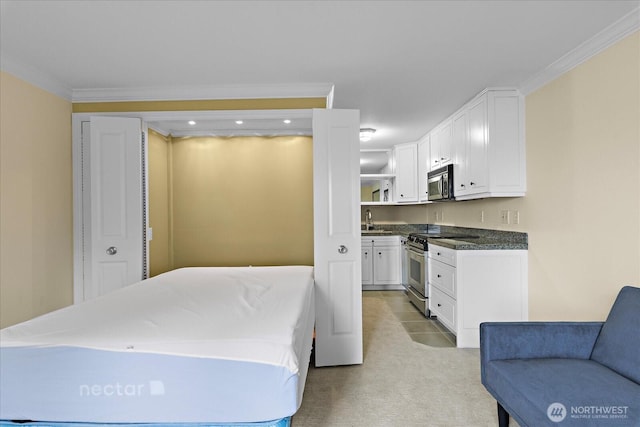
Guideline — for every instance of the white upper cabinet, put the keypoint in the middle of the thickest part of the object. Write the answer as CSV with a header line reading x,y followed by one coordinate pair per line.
x,y
484,140
406,156
459,139
441,145
488,135
424,166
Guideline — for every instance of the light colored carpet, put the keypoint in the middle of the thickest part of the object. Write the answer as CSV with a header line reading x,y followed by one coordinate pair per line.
x,y
401,383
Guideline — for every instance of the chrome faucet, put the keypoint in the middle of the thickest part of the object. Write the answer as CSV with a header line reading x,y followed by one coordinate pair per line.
x,y
368,220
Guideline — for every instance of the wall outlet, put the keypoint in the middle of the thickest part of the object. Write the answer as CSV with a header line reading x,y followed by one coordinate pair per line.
x,y
504,217
515,217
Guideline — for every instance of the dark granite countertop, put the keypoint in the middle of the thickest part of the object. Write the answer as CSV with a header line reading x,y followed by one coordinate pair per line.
x,y
480,244
470,238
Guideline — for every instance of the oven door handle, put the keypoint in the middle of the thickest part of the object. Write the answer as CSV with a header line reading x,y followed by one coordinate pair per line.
x,y
413,251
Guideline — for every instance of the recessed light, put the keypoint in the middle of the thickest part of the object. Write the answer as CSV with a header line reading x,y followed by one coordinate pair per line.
x,y
191,122
239,122
287,121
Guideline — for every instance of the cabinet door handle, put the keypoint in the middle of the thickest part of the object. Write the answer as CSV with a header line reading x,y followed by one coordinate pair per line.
x,y
439,275
439,305
438,253
379,253
472,183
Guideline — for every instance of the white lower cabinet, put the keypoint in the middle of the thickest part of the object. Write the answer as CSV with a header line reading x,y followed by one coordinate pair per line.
x,y
469,287
381,262
367,262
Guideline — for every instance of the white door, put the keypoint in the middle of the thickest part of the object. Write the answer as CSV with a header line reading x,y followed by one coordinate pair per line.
x,y
336,188
113,198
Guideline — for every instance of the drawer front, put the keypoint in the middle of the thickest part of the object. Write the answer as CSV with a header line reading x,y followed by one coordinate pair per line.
x,y
446,255
444,307
443,276
386,241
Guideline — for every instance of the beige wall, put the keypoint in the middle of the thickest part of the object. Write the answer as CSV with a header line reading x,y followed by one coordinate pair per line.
x,y
241,201
36,247
159,203
582,208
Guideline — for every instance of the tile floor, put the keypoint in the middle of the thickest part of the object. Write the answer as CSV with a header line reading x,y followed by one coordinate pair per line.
x,y
422,330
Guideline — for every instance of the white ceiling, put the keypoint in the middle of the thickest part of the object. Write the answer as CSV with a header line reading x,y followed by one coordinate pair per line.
x,y
405,64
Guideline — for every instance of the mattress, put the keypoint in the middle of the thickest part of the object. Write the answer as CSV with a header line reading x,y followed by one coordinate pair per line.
x,y
194,345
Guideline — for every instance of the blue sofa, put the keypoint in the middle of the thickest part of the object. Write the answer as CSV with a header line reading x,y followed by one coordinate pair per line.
x,y
566,373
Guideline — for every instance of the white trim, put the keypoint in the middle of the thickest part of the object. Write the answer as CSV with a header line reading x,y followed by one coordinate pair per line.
x,y
615,32
35,77
158,130
250,132
76,154
306,90
330,97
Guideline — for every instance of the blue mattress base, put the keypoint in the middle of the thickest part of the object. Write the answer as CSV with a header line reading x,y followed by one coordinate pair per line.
x,y
76,385
284,422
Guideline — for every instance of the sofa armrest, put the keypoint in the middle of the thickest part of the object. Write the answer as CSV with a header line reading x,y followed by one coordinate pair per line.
x,y
531,340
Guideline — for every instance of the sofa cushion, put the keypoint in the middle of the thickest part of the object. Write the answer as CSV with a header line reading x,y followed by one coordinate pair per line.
x,y
618,345
588,390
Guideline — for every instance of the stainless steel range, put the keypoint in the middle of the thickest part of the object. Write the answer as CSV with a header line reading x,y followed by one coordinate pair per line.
x,y
417,273
417,266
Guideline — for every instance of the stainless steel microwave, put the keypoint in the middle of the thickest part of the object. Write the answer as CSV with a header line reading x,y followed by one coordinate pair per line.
x,y
440,184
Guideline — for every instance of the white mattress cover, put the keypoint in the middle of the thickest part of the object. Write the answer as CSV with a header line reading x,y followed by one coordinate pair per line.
x,y
248,314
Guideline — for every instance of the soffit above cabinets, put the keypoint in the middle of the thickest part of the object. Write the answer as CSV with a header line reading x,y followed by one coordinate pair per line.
x,y
229,127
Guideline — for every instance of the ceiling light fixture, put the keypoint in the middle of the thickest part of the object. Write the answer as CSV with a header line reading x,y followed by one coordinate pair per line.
x,y
287,121
239,122
191,122
366,134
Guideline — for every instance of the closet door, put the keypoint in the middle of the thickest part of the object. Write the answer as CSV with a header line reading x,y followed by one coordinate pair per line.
x,y
114,222
337,257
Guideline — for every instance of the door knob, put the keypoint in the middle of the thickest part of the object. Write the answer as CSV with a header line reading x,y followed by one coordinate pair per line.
x,y
112,250
343,249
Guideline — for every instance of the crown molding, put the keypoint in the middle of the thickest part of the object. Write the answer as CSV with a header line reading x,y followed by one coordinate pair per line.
x,y
620,29
305,90
34,76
